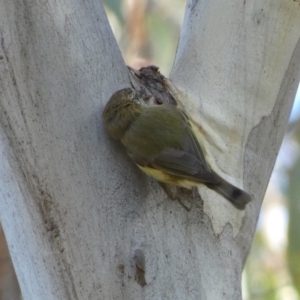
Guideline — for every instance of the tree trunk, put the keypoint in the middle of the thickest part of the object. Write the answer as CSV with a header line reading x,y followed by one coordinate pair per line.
x,y
81,221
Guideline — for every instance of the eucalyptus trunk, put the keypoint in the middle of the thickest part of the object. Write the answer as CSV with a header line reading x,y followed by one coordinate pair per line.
x,y
80,219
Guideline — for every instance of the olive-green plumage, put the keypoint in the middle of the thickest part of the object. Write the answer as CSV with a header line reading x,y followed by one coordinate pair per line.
x,y
161,141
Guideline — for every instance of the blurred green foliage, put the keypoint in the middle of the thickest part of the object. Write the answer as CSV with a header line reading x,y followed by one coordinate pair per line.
x,y
293,247
163,41
162,26
116,7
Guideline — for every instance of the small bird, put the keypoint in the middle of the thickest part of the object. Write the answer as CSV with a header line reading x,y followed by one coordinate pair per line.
x,y
161,140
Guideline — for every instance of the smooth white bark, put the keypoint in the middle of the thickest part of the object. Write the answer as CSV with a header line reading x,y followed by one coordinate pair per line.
x,y
75,210
60,63
238,67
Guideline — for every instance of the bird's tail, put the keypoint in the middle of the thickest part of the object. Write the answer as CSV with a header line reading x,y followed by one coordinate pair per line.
x,y
236,196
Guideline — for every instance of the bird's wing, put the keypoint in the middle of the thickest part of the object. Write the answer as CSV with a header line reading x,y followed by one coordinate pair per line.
x,y
186,161
183,164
